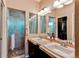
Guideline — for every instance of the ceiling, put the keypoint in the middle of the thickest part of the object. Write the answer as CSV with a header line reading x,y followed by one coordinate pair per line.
x,y
38,1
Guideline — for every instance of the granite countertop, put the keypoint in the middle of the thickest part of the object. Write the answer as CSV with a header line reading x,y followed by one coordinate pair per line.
x,y
50,51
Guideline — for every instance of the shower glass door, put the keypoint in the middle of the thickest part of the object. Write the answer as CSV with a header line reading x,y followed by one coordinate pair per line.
x,y
16,27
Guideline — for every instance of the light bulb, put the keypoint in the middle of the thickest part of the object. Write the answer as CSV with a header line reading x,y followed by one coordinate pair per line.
x,y
56,3
46,9
60,6
68,2
41,11
63,1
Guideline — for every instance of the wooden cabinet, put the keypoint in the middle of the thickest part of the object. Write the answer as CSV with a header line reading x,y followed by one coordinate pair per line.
x,y
32,50
35,52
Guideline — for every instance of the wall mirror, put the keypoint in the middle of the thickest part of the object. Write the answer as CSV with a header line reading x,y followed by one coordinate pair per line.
x,y
42,24
33,23
62,28
51,25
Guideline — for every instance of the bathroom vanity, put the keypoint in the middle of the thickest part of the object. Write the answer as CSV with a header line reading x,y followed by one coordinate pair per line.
x,y
36,52
43,48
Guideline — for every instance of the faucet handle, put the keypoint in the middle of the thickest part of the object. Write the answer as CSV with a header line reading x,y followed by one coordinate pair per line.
x,y
63,44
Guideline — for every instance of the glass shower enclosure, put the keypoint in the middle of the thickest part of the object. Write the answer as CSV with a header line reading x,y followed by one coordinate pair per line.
x,y
16,32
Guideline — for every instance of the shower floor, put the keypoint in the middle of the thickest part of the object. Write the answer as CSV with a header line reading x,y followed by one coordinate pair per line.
x,y
16,52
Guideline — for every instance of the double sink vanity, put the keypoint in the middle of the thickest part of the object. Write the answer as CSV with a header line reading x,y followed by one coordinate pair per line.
x,y
45,48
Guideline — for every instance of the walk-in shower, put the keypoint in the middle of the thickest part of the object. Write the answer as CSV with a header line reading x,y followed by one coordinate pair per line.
x,y
16,32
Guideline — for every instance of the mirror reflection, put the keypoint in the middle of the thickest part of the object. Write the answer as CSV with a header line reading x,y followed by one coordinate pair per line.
x,y
33,22
43,24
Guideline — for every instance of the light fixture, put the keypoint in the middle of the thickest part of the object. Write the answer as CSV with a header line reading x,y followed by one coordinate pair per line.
x,y
60,6
46,9
39,13
38,1
63,1
68,2
42,11
47,12
56,3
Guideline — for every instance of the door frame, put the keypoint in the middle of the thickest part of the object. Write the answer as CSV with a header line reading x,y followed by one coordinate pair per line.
x,y
4,35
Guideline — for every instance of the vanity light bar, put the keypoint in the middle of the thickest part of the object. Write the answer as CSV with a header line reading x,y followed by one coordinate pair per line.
x,y
61,3
60,6
57,4
68,2
45,11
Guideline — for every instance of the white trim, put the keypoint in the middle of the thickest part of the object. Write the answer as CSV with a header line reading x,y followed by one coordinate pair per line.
x,y
4,35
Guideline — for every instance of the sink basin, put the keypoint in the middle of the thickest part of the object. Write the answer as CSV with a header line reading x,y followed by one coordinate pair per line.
x,y
40,40
58,49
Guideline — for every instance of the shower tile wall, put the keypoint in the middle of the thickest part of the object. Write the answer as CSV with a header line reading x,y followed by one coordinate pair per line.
x,y
16,26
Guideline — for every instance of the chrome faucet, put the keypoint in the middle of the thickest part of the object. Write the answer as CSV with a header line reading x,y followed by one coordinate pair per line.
x,y
64,44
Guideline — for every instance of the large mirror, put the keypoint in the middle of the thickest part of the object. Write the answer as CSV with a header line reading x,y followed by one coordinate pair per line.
x,y
33,23
51,25
43,24
62,28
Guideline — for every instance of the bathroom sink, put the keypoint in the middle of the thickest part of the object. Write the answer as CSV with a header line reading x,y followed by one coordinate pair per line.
x,y
58,49
40,40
